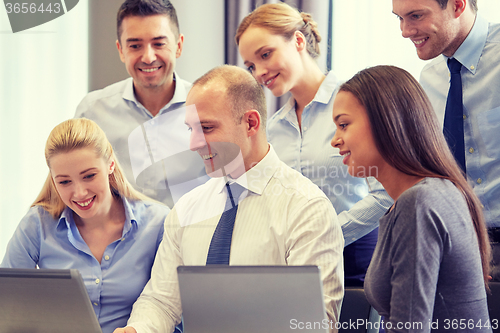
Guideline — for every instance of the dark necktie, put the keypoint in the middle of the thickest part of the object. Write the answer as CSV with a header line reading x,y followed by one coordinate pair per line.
x,y
454,114
220,246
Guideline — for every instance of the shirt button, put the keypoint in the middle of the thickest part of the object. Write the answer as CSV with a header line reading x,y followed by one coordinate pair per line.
x,y
479,180
465,117
471,150
106,258
97,281
472,67
95,303
122,239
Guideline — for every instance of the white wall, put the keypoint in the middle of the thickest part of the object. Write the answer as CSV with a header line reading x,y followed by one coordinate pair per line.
x,y
44,76
202,23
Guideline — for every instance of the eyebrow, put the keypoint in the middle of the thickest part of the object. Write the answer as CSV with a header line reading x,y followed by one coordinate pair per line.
x,y
131,40
81,173
201,122
409,13
338,116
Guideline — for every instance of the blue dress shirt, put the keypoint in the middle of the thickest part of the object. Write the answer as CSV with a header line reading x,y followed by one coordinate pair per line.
x,y
358,202
153,151
114,284
480,56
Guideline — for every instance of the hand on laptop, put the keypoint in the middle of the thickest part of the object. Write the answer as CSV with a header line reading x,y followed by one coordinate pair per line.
x,y
127,329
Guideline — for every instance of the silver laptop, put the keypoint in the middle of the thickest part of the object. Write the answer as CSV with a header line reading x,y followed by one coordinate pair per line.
x,y
252,299
45,301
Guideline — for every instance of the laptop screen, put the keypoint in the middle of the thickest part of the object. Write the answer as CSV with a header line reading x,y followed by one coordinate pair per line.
x,y
45,301
251,299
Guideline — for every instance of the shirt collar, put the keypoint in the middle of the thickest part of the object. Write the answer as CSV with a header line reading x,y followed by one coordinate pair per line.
x,y
66,218
323,95
469,52
257,178
180,94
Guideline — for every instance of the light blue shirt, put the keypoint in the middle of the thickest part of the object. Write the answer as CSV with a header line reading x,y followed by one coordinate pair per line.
x,y
480,56
153,151
358,202
114,284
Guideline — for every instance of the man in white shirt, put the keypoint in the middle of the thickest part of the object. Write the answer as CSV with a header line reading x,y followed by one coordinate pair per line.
x,y
282,217
451,31
142,116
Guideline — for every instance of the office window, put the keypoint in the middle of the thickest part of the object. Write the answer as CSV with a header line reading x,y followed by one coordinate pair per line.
x,y
44,76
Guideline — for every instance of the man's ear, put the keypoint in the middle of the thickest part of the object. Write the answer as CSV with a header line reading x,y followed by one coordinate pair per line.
x,y
120,51
459,6
180,44
253,122
300,40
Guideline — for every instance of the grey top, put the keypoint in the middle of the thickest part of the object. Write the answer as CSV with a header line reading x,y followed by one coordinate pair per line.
x,y
426,271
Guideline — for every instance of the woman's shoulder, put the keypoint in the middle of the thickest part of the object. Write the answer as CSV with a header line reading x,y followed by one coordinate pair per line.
x,y
430,189
38,215
146,208
433,194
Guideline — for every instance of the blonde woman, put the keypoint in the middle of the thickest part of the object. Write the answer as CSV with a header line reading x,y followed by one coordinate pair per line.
x,y
88,217
279,46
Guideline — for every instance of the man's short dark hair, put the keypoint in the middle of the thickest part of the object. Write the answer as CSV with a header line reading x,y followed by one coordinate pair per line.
x,y
147,8
473,4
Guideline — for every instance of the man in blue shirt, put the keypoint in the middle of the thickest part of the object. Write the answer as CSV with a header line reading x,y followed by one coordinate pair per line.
x,y
142,115
444,29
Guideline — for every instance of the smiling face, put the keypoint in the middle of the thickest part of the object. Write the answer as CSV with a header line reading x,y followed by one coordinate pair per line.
x,y
432,30
354,136
218,138
149,48
82,181
271,59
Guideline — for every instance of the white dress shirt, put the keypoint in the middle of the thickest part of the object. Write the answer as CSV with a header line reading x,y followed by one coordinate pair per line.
x,y
284,219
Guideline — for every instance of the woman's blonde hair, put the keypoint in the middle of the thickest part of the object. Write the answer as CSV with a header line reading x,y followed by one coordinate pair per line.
x,y
282,19
78,134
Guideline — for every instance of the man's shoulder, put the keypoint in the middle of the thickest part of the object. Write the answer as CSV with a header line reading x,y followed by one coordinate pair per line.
x,y
107,97
493,33
112,90
295,184
200,192
147,207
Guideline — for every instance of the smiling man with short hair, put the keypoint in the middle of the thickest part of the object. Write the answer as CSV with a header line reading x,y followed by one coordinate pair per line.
x,y
466,50
142,116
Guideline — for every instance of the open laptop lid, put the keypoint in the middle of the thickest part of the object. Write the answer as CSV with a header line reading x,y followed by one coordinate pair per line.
x,y
45,301
251,299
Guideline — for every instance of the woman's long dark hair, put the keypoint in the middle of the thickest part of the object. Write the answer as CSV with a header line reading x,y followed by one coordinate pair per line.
x,y
409,138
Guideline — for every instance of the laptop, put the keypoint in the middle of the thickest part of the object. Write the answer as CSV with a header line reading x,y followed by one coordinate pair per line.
x,y
252,299
45,301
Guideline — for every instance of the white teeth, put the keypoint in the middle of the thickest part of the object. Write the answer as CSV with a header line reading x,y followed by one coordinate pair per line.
x,y
347,154
209,156
149,70
85,204
267,82
418,42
